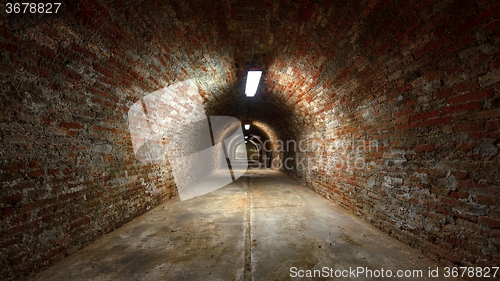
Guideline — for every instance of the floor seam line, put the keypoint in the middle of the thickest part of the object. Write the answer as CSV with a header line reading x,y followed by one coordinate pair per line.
x,y
248,235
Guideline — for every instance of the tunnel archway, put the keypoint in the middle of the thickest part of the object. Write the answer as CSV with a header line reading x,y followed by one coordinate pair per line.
x,y
422,83
248,150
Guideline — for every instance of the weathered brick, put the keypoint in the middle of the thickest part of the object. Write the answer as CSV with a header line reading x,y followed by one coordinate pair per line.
x,y
493,125
471,106
424,115
485,200
13,199
444,93
424,148
403,113
434,122
86,53
491,78
79,223
471,96
489,222
459,194
460,175
469,127
466,87
70,125
72,75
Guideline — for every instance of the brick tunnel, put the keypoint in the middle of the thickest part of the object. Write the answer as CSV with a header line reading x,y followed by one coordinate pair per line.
x,y
385,113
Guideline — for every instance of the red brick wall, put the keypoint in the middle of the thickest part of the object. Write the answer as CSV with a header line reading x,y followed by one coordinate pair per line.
x,y
420,81
68,171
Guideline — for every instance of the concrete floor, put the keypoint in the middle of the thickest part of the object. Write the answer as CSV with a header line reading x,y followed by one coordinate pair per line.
x,y
256,228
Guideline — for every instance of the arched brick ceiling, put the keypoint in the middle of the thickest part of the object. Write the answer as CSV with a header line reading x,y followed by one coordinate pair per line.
x,y
138,47
315,54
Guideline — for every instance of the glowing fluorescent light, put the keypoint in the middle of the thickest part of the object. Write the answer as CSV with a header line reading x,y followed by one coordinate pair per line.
x,y
246,137
253,78
246,141
247,126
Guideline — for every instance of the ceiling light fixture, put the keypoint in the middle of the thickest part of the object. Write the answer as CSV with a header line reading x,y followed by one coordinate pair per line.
x,y
253,79
247,126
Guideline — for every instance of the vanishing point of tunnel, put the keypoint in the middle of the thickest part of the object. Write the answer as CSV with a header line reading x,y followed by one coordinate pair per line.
x,y
133,148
